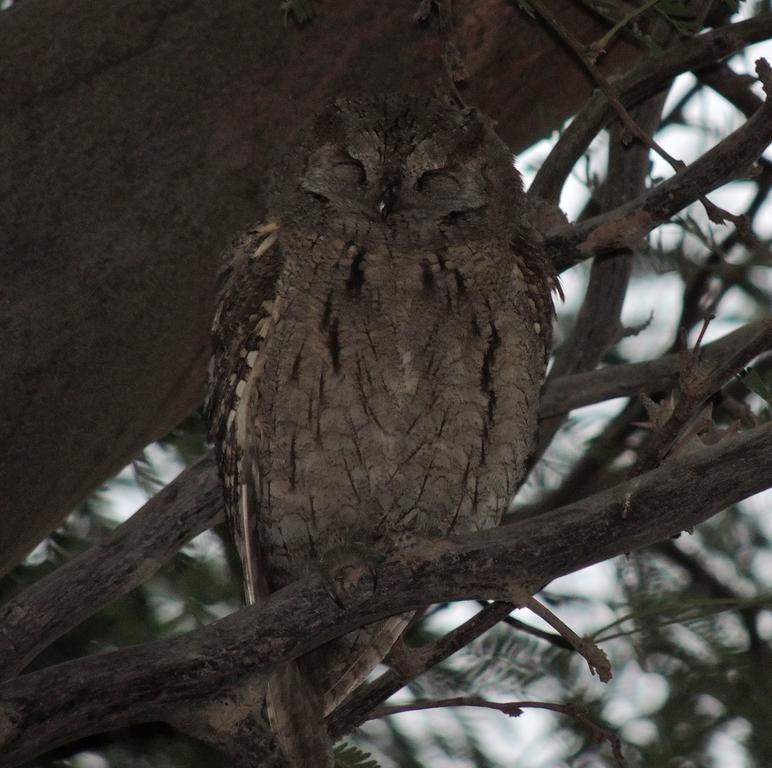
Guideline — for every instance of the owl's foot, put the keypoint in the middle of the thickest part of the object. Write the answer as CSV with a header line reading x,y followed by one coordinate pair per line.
x,y
349,575
406,544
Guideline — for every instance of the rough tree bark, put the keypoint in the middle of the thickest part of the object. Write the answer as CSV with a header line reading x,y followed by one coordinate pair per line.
x,y
136,135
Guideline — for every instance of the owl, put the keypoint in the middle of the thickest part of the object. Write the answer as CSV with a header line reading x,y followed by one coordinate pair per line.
x,y
380,343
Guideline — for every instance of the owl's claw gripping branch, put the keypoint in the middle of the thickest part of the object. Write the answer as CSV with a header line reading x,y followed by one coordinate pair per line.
x,y
348,572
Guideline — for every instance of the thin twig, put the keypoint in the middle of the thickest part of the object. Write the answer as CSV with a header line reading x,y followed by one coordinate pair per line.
x,y
599,46
552,638
605,86
512,709
595,657
408,664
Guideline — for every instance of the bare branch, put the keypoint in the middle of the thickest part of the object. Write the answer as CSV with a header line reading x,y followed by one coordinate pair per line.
x,y
699,380
598,325
595,657
408,663
509,708
512,709
552,638
631,126
230,721
646,79
736,89
192,502
631,222
588,60
131,553
52,706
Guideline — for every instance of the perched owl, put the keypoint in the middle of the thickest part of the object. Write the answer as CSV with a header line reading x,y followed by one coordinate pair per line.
x,y
380,343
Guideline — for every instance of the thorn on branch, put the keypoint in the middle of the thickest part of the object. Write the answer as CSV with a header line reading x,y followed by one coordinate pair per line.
x,y
691,377
764,71
658,413
699,381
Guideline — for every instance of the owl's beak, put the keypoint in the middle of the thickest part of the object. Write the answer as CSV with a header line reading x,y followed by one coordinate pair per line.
x,y
388,198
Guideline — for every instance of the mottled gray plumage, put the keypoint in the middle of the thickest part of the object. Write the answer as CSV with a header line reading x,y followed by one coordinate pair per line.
x,y
390,381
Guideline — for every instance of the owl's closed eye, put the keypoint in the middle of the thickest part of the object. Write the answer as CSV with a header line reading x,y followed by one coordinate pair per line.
x,y
441,181
387,184
348,171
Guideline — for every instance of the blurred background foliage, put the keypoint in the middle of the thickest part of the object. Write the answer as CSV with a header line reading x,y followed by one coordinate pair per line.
x,y
687,624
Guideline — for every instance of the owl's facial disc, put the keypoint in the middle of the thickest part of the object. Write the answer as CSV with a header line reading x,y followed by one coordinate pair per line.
x,y
410,189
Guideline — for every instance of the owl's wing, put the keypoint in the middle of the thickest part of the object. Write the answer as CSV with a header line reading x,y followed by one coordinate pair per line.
x,y
246,310
247,286
536,273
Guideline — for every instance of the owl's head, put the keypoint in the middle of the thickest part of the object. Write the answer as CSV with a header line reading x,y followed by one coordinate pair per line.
x,y
407,165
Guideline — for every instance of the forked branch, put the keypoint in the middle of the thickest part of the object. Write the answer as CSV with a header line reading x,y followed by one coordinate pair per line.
x,y
627,225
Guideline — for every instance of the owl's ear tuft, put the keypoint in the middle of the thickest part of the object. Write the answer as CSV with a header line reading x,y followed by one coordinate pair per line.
x,y
328,124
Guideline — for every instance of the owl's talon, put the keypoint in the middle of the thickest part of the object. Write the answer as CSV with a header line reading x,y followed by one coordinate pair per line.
x,y
349,576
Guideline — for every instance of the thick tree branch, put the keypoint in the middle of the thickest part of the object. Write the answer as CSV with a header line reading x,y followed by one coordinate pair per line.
x,y
565,393
231,721
126,557
56,705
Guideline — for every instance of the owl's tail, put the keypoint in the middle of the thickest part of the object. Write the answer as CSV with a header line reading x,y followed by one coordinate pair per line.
x,y
296,710
297,719
342,665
